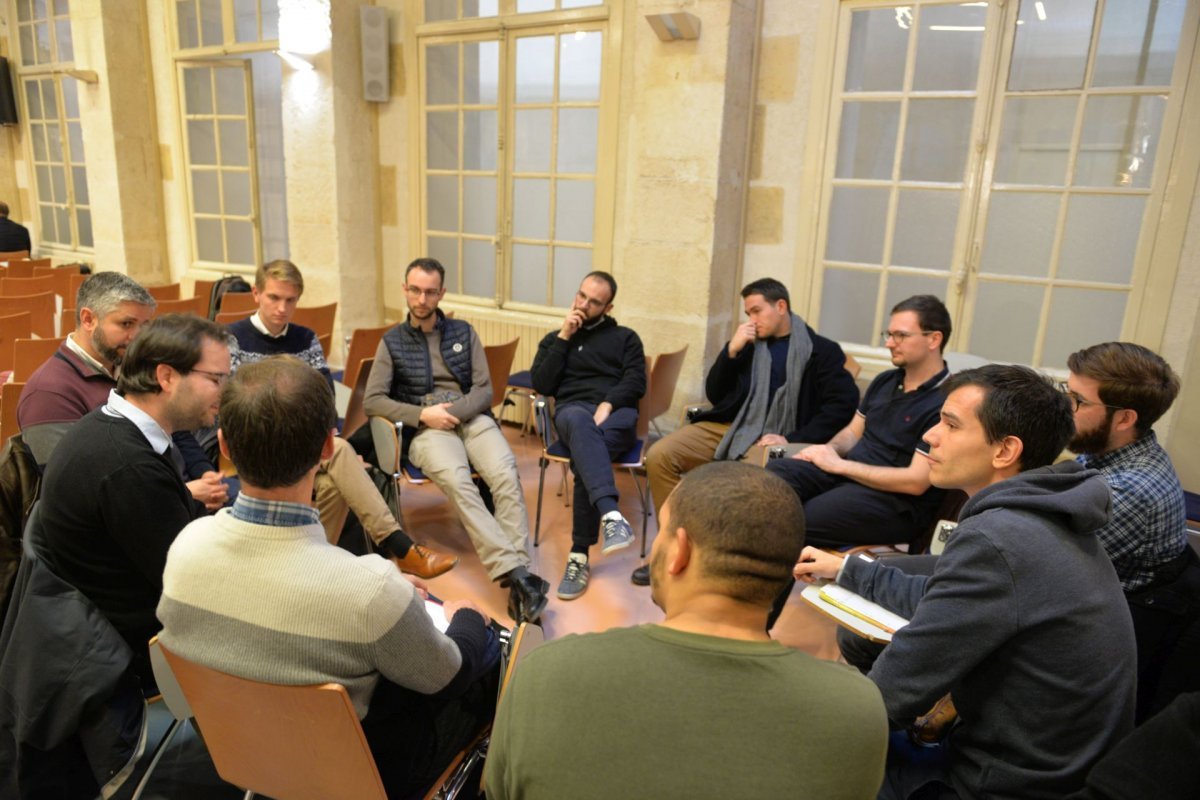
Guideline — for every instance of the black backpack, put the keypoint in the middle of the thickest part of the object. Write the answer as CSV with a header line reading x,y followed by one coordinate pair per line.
x,y
230,283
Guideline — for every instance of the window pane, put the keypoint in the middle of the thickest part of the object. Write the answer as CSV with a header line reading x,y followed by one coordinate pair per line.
x,y
202,144
570,265
235,147
62,7
270,19
63,218
949,59
236,186
33,99
878,44
577,144
533,140
901,286
83,220
49,98
479,268
1119,140
209,241
867,140
62,34
206,197
188,26
925,222
437,10
24,10
1006,321
479,205
579,66
54,143
37,135
441,79
481,66
442,198
245,20
75,142
479,140
197,90
239,238
41,36
574,211
49,229
480,8
231,91
43,183
28,53
1051,53
445,250
58,182
529,272
531,209
1020,233
79,185
1124,57
1079,318
1035,140
580,3
211,31
848,305
936,139
528,6
70,95
535,69
441,139
856,225
1100,237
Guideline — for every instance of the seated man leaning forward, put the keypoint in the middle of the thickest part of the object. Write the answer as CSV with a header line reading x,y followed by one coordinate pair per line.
x,y
431,374
342,484
775,381
258,592
596,371
870,483
719,706
1022,621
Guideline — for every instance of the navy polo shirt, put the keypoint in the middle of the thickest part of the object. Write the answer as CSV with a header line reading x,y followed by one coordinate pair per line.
x,y
896,420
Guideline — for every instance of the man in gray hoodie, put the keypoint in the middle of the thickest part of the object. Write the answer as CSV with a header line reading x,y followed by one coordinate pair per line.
x,y
1023,621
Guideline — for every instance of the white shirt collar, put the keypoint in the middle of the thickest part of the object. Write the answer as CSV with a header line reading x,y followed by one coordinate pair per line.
x,y
262,327
118,406
87,357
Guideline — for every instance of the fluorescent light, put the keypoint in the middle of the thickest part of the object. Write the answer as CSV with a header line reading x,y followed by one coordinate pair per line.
x,y
1040,8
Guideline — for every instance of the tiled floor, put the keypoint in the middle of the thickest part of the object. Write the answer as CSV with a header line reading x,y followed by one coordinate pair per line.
x,y
611,600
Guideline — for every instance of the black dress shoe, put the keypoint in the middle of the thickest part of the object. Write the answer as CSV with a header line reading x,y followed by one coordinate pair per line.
x,y
641,575
527,598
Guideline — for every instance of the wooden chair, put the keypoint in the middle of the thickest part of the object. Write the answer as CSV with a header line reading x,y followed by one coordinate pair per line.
x,y
76,282
326,342
14,255
29,354
172,697
38,262
15,287
663,380
230,317
66,321
356,417
17,269
361,345
190,305
500,358
42,309
12,327
318,318
238,301
167,291
10,395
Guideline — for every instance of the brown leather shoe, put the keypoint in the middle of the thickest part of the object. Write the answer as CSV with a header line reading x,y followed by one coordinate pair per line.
x,y
425,563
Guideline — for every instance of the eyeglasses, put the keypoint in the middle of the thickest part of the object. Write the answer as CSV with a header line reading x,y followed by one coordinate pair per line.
x,y
218,378
590,302
1077,401
900,336
426,293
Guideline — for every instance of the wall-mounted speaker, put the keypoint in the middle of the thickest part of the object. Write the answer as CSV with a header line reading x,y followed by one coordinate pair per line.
x,y
8,101
373,22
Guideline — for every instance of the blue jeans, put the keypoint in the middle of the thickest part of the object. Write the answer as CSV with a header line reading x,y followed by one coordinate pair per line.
x,y
592,452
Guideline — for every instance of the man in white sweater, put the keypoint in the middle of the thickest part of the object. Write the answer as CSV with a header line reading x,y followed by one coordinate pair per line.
x,y
258,592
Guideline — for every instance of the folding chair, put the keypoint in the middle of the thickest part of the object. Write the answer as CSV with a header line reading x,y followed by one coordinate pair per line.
x,y
176,703
500,358
361,345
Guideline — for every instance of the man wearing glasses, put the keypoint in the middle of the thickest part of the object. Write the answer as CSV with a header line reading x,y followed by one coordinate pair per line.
x,y
870,484
113,499
431,374
1118,390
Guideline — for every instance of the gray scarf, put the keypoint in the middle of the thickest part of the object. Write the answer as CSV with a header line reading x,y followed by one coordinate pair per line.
x,y
762,414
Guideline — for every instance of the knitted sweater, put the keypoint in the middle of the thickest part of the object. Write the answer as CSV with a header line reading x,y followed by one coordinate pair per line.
x,y
254,345
281,605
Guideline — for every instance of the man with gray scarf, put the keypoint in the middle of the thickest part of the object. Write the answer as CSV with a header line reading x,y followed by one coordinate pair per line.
x,y
775,381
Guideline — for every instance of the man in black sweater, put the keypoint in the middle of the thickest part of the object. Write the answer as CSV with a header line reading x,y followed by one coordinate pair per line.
x,y
14,236
596,371
113,498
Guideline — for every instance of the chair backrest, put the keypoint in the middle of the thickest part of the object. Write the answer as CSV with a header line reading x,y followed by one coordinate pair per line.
x,y
189,305
319,318
10,394
14,255
203,289
643,422
363,344
852,366
500,358
61,282
293,742
17,269
387,444
42,309
13,287
168,684
12,327
664,377
76,282
238,301
356,417
66,321
29,354
230,317
168,291
326,342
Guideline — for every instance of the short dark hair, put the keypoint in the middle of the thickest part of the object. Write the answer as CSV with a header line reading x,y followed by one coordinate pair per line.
x,y
172,339
748,523
772,291
275,417
607,278
1017,401
931,314
104,292
1130,376
3,209
427,265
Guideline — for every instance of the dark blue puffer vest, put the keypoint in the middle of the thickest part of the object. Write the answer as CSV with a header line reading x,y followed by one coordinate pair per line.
x,y
412,374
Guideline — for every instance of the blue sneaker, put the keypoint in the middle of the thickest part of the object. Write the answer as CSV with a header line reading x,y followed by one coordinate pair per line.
x,y
617,534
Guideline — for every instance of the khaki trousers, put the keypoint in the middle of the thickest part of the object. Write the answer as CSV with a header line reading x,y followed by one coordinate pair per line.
x,y
678,453
342,485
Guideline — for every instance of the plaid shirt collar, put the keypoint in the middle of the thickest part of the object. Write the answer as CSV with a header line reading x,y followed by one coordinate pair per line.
x,y
274,513
1137,449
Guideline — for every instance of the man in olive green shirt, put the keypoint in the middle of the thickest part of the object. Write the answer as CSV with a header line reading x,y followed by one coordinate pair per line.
x,y
704,704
